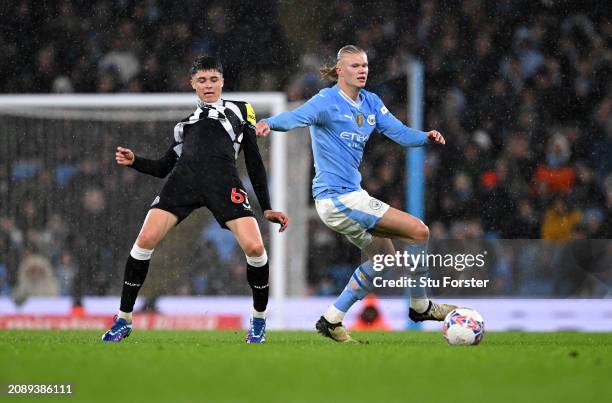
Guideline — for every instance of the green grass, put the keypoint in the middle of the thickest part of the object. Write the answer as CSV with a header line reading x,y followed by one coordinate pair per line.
x,y
165,366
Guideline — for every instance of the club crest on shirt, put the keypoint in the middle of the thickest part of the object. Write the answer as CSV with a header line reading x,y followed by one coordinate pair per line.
x,y
372,120
359,119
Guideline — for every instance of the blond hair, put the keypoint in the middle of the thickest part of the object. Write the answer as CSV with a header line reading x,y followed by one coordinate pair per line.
x,y
328,71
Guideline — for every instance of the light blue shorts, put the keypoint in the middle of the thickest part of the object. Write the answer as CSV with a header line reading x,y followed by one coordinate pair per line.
x,y
353,214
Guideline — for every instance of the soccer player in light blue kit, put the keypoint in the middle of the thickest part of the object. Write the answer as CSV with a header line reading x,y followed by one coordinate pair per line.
x,y
341,120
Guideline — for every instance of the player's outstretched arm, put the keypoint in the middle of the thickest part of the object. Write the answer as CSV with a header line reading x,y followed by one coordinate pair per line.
x,y
303,116
277,217
159,168
394,129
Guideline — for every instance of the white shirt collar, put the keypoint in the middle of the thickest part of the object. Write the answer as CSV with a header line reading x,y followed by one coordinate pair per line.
x,y
218,102
348,99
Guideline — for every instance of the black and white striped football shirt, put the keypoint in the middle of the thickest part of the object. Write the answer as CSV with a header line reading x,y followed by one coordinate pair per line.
x,y
210,140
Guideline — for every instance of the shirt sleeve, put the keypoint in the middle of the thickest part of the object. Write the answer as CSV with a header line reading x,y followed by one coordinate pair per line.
x,y
160,167
255,167
393,128
308,114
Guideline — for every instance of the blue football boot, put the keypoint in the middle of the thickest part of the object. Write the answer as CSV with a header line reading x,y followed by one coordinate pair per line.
x,y
257,331
120,330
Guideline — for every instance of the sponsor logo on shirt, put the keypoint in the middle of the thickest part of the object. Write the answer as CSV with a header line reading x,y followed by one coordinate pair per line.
x,y
354,140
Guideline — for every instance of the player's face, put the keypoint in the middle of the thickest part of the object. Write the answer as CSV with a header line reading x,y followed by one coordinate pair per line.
x,y
207,84
353,69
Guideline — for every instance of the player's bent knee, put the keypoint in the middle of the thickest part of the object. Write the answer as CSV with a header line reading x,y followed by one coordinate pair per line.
x,y
254,249
422,233
147,240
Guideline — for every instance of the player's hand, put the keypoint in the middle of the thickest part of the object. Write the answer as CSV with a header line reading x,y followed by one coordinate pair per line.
x,y
436,137
262,128
124,156
277,217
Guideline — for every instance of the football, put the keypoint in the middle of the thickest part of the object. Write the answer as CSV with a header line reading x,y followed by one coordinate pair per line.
x,y
463,326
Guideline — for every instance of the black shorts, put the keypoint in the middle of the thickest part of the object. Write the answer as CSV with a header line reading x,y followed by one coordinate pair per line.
x,y
223,195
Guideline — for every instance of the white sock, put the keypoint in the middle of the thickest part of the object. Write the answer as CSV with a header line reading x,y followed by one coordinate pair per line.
x,y
125,315
257,261
333,314
257,314
419,304
139,253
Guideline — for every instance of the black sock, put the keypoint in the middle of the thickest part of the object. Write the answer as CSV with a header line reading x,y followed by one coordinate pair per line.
x,y
134,277
258,280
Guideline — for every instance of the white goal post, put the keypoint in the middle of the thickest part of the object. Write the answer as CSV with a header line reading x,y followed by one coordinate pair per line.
x,y
84,106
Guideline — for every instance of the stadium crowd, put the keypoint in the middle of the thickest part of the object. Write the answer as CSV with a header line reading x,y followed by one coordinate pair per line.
x,y
520,89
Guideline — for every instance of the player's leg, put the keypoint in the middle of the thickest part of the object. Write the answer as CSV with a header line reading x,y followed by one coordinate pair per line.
x,y
359,285
396,224
229,203
353,215
361,282
155,227
246,231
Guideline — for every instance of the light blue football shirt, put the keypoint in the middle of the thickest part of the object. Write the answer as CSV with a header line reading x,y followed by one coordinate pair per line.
x,y
338,138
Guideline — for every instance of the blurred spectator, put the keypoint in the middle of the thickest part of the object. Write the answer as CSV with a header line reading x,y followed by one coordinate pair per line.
x,y
521,164
66,272
555,175
601,138
122,58
35,278
560,220
497,205
586,192
526,224
460,202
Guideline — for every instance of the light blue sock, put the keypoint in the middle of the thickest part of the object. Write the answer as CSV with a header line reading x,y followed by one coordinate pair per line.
x,y
418,294
357,288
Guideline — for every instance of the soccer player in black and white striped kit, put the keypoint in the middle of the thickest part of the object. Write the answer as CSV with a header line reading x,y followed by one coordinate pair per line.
x,y
202,168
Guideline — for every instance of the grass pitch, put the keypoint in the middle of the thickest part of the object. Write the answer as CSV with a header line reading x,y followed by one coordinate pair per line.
x,y
171,366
